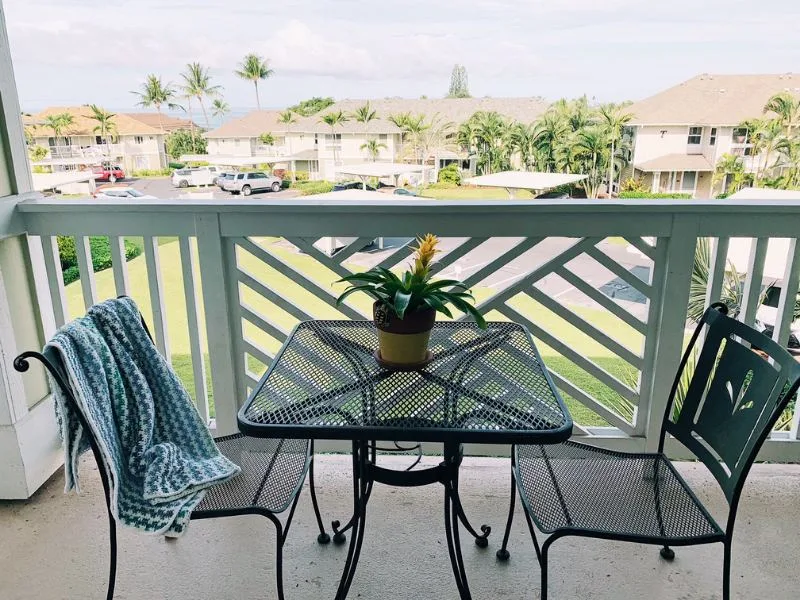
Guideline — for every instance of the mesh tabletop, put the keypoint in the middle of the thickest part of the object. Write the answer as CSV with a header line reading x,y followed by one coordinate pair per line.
x,y
487,386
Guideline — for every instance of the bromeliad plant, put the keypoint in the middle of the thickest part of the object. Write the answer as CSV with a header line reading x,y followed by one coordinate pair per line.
x,y
406,305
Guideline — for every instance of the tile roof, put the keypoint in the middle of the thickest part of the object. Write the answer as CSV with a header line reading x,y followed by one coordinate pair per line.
x,y
457,110
84,124
167,122
713,100
676,162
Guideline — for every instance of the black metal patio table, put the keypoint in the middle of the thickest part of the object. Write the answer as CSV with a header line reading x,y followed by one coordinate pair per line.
x,y
482,386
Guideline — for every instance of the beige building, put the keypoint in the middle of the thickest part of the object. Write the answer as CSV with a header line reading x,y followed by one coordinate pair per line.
x,y
312,146
681,133
138,143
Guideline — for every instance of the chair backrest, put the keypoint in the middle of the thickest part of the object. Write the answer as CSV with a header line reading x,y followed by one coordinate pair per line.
x,y
741,383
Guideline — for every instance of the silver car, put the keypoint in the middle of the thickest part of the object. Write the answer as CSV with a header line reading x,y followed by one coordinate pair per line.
x,y
247,183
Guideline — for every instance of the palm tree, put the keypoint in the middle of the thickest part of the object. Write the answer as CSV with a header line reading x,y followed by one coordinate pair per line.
x,y
787,108
614,120
197,84
522,140
592,151
373,148
492,137
732,287
332,119
288,118
254,68
399,120
219,108
364,114
438,135
59,123
550,132
789,158
267,139
155,93
729,164
414,128
105,123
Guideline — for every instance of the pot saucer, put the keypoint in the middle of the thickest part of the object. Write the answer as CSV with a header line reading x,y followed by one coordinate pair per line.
x,y
403,366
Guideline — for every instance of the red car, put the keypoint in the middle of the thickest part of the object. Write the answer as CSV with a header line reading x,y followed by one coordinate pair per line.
x,y
109,173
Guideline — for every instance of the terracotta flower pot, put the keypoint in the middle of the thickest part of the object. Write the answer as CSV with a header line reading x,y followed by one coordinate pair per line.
x,y
403,341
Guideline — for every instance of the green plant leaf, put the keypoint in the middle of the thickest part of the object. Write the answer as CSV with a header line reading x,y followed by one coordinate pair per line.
x,y
359,288
438,305
401,302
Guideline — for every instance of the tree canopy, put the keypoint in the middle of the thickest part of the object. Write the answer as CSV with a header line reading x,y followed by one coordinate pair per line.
x,y
311,106
459,83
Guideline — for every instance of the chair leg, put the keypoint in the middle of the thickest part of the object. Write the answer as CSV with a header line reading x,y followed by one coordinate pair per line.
x,y
112,570
323,537
503,554
279,560
667,553
726,572
543,565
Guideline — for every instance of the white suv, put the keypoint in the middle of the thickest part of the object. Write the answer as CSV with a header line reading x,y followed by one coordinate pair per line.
x,y
247,183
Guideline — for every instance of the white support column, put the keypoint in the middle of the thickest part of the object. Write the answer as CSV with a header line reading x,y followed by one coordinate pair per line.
x,y
671,321
219,322
752,285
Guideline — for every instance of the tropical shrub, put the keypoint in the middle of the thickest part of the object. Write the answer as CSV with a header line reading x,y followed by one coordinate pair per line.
x,y
309,188
655,196
298,176
182,142
152,173
633,184
450,174
100,249
442,185
37,153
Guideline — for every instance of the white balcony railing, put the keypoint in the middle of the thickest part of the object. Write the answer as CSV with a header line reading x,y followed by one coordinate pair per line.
x,y
97,152
602,285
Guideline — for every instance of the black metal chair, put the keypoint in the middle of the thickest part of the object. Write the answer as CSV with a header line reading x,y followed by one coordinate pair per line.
x,y
741,384
272,475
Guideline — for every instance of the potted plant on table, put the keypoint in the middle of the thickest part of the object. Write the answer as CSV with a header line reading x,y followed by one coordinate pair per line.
x,y
406,305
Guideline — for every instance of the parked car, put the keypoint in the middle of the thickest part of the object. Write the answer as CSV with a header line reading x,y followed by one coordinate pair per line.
x,y
247,183
404,192
222,177
112,192
195,176
108,172
352,185
553,196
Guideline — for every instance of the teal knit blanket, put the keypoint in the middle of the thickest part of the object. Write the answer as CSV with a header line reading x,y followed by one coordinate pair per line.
x,y
158,454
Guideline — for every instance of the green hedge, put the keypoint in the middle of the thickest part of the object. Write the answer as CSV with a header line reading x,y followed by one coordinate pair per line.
x,y
450,174
653,196
101,255
308,188
152,173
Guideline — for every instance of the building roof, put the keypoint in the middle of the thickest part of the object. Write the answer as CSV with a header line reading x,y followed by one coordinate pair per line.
x,y
165,122
380,169
84,124
677,162
456,110
524,180
713,100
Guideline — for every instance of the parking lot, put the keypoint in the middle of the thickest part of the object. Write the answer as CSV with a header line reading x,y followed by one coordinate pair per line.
x,y
161,187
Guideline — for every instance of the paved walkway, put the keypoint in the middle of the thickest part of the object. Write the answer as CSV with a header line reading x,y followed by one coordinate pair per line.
x,y
54,547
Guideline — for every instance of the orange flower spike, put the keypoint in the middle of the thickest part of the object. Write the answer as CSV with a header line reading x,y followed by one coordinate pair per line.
x,y
425,252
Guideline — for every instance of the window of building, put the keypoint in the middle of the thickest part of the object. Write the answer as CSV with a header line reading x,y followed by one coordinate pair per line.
x,y
740,135
383,137
98,139
333,141
51,141
138,139
712,140
695,135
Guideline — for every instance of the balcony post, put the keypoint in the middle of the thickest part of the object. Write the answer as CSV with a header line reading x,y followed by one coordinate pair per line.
x,y
674,281
215,279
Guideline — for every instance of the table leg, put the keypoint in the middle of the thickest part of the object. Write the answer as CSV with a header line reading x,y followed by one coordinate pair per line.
x,y
451,520
361,488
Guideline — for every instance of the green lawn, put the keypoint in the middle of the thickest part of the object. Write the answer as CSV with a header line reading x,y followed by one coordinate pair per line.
x,y
473,193
294,293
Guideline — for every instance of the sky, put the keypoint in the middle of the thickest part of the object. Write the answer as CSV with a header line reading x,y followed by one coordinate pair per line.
x,y
90,51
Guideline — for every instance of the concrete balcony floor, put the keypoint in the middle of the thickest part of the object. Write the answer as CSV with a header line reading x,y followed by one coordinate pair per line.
x,y
55,547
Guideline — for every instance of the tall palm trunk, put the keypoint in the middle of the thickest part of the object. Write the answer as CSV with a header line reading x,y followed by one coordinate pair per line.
x,y
191,121
258,100
611,170
203,108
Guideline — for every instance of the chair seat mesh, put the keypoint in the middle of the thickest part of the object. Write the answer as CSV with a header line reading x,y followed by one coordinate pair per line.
x,y
272,472
580,487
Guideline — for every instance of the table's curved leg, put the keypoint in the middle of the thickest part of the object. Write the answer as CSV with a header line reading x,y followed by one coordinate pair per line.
x,y
481,539
451,520
360,497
